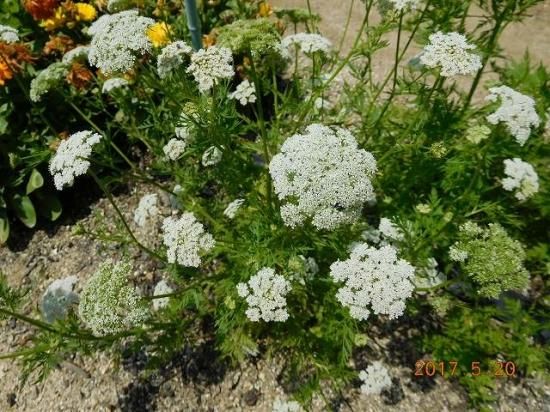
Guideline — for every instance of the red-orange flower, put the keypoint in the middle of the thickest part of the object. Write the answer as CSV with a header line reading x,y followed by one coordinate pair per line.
x,y
79,76
12,57
58,45
41,9
5,73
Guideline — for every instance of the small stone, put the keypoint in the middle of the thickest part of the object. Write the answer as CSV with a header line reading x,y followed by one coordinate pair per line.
x,y
251,397
11,399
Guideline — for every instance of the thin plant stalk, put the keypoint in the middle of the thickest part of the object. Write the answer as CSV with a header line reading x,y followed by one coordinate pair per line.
x,y
123,219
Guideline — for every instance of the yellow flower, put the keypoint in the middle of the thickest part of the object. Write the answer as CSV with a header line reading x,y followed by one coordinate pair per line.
x,y
265,9
56,21
85,12
159,34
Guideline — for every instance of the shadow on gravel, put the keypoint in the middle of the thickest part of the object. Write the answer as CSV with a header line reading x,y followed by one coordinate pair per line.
x,y
199,365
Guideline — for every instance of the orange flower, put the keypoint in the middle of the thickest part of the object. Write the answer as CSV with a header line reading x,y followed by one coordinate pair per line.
x,y
41,9
5,73
58,45
12,57
209,39
79,76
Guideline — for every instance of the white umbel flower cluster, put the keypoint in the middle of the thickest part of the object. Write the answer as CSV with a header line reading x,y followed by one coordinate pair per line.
x,y
521,178
286,406
58,298
265,294
322,175
211,156
171,57
186,239
147,209
517,111
375,378
49,78
245,93
174,149
451,52
8,34
401,5
117,39
79,54
375,280
390,231
161,288
307,42
113,84
209,66
70,160
233,207
108,304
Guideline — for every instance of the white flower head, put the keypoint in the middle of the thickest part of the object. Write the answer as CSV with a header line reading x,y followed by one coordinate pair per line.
x,y
8,34
517,111
389,231
113,84
401,5
521,178
209,66
79,53
147,209
161,288
307,42
375,280
286,406
70,160
265,293
171,57
108,304
117,39
58,298
233,207
211,156
245,93
174,149
49,78
450,52
186,240
324,176
375,378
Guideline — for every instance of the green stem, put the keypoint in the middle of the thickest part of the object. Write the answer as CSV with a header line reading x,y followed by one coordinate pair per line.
x,y
263,130
405,48
395,69
123,219
96,127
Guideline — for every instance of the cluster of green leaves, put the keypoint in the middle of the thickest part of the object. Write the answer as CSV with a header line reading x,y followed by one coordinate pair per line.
x,y
487,335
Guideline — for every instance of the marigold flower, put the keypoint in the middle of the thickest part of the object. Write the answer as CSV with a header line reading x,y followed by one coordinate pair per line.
x,y
159,34
56,21
85,12
58,45
5,73
79,76
41,9
265,9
